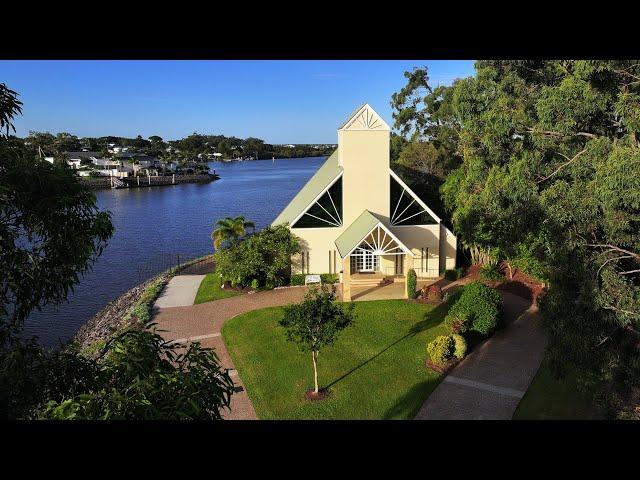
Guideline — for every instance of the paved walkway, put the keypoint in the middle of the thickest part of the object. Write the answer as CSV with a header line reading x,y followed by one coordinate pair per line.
x,y
203,323
491,381
180,291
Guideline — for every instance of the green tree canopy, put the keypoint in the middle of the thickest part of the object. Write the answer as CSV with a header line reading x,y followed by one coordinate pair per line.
x,y
316,322
549,179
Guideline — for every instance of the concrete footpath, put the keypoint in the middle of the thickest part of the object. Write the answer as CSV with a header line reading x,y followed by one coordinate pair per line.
x,y
180,291
491,381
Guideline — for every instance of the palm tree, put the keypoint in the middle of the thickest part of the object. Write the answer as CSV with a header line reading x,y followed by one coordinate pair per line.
x,y
230,229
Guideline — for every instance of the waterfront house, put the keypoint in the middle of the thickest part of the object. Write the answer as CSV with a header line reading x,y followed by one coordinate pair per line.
x,y
81,155
74,163
357,217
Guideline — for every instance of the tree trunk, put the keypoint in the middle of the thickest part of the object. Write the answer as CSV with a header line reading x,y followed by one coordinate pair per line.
x,y
510,271
314,355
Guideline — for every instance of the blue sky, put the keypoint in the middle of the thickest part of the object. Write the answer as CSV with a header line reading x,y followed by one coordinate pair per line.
x,y
279,101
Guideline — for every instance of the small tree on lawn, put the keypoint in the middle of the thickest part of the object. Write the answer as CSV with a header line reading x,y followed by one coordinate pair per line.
x,y
316,322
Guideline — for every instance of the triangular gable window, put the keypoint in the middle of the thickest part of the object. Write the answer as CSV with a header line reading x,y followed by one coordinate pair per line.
x,y
326,212
405,208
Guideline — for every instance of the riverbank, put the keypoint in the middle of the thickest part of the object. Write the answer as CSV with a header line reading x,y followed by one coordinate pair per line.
x,y
157,228
128,310
156,181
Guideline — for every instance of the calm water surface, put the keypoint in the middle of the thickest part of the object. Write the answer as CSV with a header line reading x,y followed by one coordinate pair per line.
x,y
154,227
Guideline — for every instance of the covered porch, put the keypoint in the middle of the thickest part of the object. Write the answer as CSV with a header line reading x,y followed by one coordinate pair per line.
x,y
373,260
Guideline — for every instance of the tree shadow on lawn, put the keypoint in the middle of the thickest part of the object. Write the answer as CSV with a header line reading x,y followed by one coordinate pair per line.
x,y
411,401
432,318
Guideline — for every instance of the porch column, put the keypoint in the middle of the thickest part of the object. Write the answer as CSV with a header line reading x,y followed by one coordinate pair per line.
x,y
346,279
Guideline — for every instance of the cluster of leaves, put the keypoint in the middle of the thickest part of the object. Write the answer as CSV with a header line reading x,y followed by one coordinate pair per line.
x,y
426,150
454,274
142,376
316,322
441,349
412,283
490,272
51,231
476,311
460,346
550,180
264,256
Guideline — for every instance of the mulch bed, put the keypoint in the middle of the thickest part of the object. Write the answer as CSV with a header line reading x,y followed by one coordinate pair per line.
x,y
445,368
227,286
316,397
521,284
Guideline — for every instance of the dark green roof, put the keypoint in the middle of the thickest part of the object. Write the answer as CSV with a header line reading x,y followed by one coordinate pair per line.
x,y
329,170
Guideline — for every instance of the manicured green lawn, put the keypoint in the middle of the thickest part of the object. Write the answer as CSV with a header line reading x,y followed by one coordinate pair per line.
x,y
551,399
210,290
375,370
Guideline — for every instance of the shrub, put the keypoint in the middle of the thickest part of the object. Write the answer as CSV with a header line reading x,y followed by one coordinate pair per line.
x,y
432,293
329,277
265,256
476,310
460,346
297,279
440,349
255,284
490,272
451,274
412,283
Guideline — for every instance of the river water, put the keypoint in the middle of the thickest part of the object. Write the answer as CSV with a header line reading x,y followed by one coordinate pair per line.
x,y
158,226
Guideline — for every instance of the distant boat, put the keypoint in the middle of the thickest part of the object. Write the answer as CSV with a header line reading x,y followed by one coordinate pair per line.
x,y
273,159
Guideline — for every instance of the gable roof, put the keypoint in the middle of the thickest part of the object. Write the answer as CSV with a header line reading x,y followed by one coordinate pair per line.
x,y
325,175
364,118
358,231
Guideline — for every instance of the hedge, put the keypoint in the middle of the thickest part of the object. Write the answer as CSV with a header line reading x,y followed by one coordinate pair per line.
x,y
412,283
477,310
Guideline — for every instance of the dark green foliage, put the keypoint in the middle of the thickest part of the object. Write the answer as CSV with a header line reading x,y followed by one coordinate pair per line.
x,y
141,376
298,278
477,310
265,256
441,349
51,231
549,180
412,283
491,272
451,274
460,346
10,106
426,152
317,320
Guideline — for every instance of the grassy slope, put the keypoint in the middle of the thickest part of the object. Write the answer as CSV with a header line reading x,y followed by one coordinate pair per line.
x,y
374,371
210,290
549,398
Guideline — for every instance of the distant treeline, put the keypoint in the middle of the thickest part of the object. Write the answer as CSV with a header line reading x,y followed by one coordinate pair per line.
x,y
192,145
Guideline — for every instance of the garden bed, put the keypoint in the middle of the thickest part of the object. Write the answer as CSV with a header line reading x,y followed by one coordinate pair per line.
x,y
521,284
